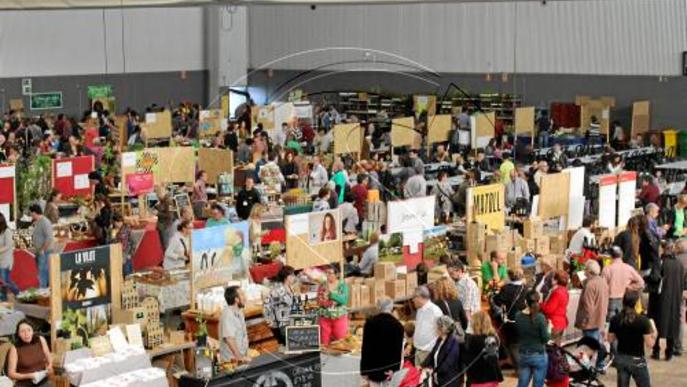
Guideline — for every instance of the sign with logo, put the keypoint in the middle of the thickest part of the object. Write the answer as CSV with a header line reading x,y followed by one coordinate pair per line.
x,y
486,204
410,214
46,101
99,91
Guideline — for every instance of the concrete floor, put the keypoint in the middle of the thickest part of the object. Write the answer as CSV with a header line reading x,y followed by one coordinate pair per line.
x,y
663,373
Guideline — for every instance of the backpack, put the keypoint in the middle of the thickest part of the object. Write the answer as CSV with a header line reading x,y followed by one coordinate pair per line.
x,y
558,367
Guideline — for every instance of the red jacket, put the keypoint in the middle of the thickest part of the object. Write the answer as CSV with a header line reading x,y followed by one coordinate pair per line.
x,y
650,193
359,192
555,308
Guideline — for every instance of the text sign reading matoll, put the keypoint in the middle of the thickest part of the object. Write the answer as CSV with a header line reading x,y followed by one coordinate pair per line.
x,y
486,204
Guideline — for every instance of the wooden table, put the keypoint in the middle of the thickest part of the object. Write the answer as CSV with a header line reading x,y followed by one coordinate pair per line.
x,y
168,353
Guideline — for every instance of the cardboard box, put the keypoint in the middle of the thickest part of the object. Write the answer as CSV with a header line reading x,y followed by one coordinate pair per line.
x,y
557,244
411,281
513,259
437,272
354,296
542,245
395,289
377,289
385,271
527,245
497,242
129,316
476,237
532,228
364,296
560,262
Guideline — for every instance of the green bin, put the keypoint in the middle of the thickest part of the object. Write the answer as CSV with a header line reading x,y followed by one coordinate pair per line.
x,y
682,143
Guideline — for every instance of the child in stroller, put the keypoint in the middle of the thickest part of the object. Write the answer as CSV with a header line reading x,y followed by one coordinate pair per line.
x,y
582,361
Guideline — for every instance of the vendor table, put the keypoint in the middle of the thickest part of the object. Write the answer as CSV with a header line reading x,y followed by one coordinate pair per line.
x,y
34,310
170,296
103,371
271,369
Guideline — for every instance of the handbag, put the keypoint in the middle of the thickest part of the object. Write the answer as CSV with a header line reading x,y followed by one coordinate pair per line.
x,y
459,333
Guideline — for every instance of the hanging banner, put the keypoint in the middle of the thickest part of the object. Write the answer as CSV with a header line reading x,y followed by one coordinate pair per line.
x,y
486,204
627,189
608,185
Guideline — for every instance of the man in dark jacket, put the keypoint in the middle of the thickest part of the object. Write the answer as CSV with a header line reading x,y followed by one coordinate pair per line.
x,y
664,307
246,198
382,347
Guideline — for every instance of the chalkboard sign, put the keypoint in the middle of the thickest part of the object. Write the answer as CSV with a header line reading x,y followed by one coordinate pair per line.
x,y
303,339
182,200
44,101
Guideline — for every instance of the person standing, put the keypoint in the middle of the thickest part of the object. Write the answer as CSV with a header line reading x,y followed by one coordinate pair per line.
x,y
278,303
232,329
593,305
425,335
165,215
444,358
620,277
632,332
481,353
443,193
42,239
359,192
664,307
533,334
468,292
583,237
555,307
52,211
445,296
199,198
511,300
382,347
332,298
318,176
178,253
122,235
506,169
629,240
246,198
6,257
516,189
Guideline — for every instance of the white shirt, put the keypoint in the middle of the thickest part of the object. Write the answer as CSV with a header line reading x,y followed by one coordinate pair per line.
x,y
318,178
279,137
425,335
577,240
174,255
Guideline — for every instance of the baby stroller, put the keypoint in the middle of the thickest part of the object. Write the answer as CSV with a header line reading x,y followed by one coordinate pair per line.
x,y
582,361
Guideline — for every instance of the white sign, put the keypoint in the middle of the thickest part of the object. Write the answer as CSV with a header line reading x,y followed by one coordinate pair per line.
x,y
410,214
128,159
7,171
576,181
133,333
151,118
5,210
303,111
575,212
608,186
298,224
26,86
117,339
627,189
64,169
81,181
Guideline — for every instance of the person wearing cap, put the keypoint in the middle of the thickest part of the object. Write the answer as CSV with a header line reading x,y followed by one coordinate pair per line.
x,y
382,348
593,305
620,277
425,335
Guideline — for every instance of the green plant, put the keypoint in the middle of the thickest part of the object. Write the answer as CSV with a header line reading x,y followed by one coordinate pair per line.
x,y
33,179
74,322
202,329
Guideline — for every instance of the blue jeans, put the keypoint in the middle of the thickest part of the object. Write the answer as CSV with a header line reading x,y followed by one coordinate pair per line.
x,y
44,269
543,140
596,335
632,367
11,286
532,365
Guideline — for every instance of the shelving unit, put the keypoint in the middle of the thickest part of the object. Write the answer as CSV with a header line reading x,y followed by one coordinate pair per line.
x,y
503,105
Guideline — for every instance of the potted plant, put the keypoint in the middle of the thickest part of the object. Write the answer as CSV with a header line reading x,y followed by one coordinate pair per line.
x,y
201,331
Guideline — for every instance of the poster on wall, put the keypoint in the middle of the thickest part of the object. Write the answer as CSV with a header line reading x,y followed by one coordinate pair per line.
x,y
410,214
85,288
220,254
434,243
324,226
391,247
486,204
608,185
627,189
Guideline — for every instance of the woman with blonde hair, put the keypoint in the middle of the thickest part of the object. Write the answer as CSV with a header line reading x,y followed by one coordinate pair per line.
x,y
445,296
481,353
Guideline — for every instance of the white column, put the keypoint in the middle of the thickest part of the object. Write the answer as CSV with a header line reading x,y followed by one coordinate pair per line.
x,y
226,48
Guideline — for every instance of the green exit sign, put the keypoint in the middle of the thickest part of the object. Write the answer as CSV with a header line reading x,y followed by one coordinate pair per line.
x,y
45,101
99,91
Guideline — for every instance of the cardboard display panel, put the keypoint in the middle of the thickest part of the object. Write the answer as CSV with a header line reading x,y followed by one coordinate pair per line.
x,y
215,162
582,99
70,175
209,123
158,125
264,115
425,104
17,104
314,239
524,120
608,191
168,165
485,124
641,117
348,138
85,285
486,204
224,106
438,128
600,110
554,195
403,132
122,134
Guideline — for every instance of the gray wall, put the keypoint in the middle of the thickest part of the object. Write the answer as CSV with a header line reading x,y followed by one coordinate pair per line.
x,y
135,90
668,97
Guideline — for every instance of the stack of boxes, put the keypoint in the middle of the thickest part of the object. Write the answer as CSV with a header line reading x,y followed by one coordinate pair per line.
x,y
365,292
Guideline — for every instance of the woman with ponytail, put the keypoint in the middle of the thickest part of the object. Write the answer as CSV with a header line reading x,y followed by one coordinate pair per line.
x,y
533,334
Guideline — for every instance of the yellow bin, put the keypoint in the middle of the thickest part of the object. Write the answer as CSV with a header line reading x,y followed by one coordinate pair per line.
x,y
670,142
